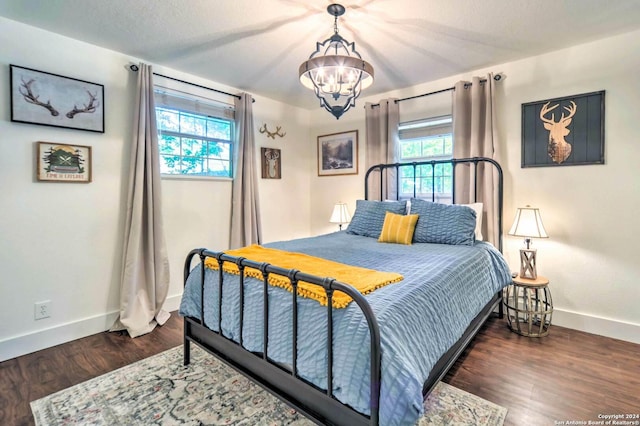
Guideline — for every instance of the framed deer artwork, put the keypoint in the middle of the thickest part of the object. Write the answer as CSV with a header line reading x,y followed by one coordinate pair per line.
x,y
39,97
565,131
271,163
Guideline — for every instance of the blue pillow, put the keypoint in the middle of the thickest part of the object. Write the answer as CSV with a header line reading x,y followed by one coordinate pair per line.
x,y
369,216
443,223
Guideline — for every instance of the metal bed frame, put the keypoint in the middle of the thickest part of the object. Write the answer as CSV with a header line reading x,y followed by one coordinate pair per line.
x,y
316,403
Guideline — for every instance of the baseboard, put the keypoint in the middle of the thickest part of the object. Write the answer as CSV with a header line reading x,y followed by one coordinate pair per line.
x,y
597,325
42,339
63,333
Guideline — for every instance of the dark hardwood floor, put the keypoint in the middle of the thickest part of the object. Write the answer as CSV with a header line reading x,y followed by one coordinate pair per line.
x,y
30,377
566,376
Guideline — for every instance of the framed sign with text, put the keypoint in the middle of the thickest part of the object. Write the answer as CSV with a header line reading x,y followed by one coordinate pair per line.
x,y
63,163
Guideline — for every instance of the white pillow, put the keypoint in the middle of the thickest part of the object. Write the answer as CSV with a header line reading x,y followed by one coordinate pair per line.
x,y
478,209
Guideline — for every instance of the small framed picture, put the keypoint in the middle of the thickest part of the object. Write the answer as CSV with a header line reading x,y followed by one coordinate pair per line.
x,y
271,163
63,163
338,154
39,97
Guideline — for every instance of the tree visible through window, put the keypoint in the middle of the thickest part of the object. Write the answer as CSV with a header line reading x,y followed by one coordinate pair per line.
x,y
425,140
194,144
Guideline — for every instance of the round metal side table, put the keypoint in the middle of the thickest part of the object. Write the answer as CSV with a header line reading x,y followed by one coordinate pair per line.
x,y
529,306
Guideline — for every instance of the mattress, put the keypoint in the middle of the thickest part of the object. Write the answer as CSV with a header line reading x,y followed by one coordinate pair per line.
x,y
420,317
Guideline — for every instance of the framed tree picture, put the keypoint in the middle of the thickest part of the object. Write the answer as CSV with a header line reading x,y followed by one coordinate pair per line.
x,y
39,97
63,163
563,131
338,154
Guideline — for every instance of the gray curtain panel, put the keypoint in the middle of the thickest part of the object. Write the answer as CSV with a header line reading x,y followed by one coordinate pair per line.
x,y
245,209
145,265
475,135
382,146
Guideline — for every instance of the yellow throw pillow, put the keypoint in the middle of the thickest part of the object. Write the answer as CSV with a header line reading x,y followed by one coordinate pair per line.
x,y
398,228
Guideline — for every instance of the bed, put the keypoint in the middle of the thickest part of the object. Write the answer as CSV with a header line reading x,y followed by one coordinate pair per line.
x,y
372,361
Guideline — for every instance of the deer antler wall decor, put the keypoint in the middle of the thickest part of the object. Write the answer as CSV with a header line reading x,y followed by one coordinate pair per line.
x,y
87,108
39,97
33,99
272,135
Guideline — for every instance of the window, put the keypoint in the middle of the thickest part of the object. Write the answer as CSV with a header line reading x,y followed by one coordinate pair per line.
x,y
195,138
424,140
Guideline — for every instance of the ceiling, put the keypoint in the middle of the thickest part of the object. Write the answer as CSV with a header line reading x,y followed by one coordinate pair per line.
x,y
258,45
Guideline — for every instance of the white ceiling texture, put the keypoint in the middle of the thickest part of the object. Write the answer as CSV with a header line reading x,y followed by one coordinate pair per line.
x,y
258,45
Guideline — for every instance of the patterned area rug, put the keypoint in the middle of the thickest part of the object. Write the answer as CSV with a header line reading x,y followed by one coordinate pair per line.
x,y
160,391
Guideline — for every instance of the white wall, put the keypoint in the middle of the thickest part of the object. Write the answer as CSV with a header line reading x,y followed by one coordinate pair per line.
x,y
62,242
327,190
590,212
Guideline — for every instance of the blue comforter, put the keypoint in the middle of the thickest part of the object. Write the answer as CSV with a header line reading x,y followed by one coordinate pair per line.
x,y
420,317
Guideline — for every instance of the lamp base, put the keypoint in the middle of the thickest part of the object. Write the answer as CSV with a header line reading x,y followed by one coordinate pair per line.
x,y
528,264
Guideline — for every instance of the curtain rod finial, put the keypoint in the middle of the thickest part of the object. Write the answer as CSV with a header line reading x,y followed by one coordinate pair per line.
x,y
132,67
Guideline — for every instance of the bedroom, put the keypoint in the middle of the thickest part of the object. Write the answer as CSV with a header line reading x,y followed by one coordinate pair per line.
x,y
589,211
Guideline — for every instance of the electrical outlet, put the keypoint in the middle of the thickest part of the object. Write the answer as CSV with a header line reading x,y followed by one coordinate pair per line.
x,y
43,309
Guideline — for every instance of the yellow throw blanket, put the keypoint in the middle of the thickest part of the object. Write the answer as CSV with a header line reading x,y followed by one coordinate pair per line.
x,y
364,280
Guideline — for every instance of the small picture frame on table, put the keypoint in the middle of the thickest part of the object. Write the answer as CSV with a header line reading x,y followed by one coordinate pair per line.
x,y
338,154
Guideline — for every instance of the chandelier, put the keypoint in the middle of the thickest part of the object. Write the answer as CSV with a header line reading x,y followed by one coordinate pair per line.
x,y
335,71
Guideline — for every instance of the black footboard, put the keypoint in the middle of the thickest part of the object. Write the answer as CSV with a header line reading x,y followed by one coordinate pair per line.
x,y
319,404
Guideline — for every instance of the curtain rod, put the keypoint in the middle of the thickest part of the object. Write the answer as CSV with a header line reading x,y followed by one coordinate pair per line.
x,y
134,67
496,77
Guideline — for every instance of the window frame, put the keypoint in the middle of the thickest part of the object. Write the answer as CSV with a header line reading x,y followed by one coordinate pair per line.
x,y
423,130
201,108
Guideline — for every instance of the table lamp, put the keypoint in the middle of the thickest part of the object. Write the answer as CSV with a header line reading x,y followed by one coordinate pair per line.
x,y
340,215
528,224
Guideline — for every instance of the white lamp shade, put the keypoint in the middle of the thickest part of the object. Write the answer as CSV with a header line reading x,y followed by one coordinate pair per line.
x,y
528,223
340,214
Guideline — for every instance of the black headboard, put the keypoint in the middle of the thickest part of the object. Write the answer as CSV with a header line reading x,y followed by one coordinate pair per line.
x,y
455,162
